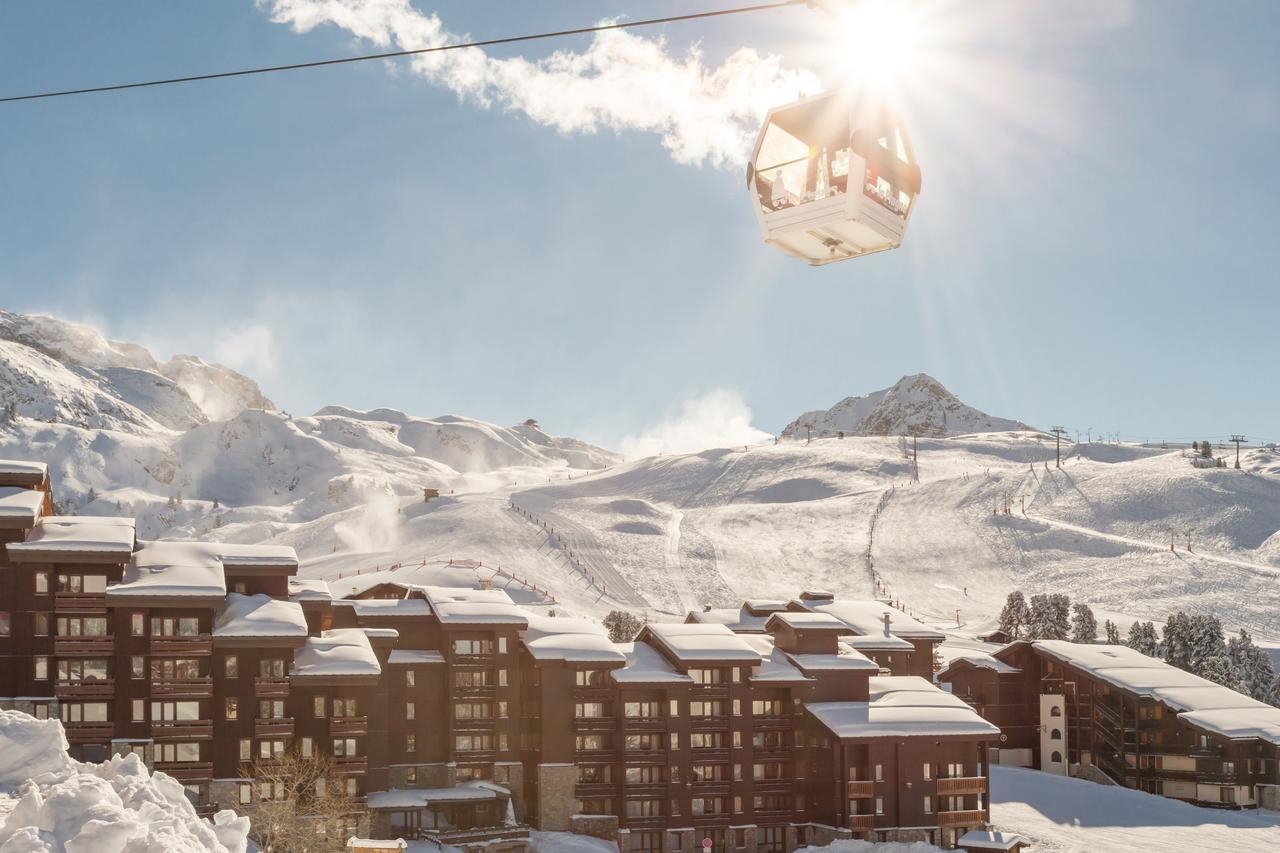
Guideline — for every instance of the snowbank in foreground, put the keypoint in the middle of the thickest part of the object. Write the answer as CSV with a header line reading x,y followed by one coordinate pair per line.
x,y
51,804
868,847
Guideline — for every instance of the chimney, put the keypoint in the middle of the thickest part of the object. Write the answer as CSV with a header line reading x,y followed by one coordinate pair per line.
x,y
887,620
485,583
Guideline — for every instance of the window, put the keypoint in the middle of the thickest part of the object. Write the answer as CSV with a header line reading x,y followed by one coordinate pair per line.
x,y
82,583
344,747
137,625
1228,768
773,772
646,842
186,753
707,806
84,712
231,666
410,743
928,804
928,771
589,743
137,667
879,772
41,627
591,678
82,626
344,708
1056,757
138,707
245,790
954,770
42,583
42,711
175,668
410,678
642,743
675,740
271,667
473,710
410,712
473,647
502,710
502,678
6,623
86,669
307,747
642,710
411,775
270,749
1055,711
645,775
768,707
175,711
879,805
270,709
246,749
502,645
472,678
767,740
597,774
770,802
707,740
175,626
708,773
589,710
707,676
231,709
473,743
240,587
714,708
1228,795
1056,734
674,709
644,808
597,805
317,707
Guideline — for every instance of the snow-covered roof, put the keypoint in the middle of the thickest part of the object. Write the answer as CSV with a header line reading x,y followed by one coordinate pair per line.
x,y
418,798
371,844
810,622
259,616
258,555
470,606
692,642
776,665
414,657
846,658
79,534
23,505
901,706
646,665
878,643
572,640
1197,700
309,589
338,652
984,661
763,606
11,467
867,618
385,606
173,569
737,620
990,840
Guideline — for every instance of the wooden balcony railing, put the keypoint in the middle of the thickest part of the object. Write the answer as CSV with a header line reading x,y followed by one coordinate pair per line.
x,y
962,785
182,729
65,646
182,646
860,790
187,771
349,726
100,731
274,727
269,687
353,765
81,602
100,688
947,820
182,688
862,822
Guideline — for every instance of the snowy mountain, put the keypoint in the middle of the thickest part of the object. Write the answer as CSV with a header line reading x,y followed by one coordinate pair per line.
x,y
916,404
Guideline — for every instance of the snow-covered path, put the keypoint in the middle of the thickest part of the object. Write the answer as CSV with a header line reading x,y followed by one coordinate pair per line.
x,y
673,565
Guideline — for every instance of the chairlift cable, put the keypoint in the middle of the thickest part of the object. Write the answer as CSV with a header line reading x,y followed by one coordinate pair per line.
x,y
245,72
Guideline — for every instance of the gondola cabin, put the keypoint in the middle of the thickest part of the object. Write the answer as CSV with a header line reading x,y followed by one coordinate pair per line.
x,y
833,177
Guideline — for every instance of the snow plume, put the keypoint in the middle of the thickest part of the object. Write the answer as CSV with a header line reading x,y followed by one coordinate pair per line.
x,y
620,82
251,348
374,525
719,418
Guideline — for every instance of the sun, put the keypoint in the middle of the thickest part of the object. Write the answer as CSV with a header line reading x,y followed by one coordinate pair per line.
x,y
879,42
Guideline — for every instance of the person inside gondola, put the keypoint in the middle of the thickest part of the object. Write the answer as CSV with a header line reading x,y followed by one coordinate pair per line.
x,y
778,192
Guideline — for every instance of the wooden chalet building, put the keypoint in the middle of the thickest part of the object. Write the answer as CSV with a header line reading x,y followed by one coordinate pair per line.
x,y
1108,711
453,714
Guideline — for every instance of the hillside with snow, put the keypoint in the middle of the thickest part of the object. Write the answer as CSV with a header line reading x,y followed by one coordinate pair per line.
x,y
914,405
126,434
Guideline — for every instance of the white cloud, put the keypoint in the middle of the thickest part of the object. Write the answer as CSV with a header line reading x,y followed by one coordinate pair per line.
x,y
719,418
620,82
250,349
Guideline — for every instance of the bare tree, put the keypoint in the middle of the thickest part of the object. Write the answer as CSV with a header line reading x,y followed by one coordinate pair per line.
x,y
300,805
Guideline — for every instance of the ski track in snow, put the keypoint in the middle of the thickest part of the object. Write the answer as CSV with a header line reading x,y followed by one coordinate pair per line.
x,y
674,568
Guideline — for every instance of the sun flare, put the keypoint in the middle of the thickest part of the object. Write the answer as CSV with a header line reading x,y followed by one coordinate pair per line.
x,y
879,42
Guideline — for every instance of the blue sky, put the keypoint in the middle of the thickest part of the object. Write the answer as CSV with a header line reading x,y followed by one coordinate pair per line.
x,y
1096,242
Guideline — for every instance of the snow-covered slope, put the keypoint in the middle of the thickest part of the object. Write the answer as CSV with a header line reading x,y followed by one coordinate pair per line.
x,y
916,404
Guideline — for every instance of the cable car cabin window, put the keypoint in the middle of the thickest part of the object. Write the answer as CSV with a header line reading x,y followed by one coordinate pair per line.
x,y
791,171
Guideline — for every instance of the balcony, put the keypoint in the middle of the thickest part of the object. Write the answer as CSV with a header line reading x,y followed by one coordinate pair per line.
x,y
76,646
98,731
590,724
268,687
962,785
349,726
80,602
182,646
486,691
187,771
355,765
644,724
948,820
182,729
482,835
862,822
274,727
182,688
99,688
860,790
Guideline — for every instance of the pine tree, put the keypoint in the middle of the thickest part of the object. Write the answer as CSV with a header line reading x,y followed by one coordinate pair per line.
x,y
622,625
1175,644
1014,616
1218,669
1113,633
92,496
216,505
1206,450
1084,627
1251,669
1060,617
1142,638
1206,641
1038,618
173,502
